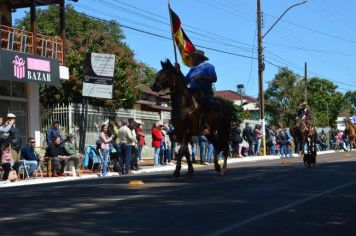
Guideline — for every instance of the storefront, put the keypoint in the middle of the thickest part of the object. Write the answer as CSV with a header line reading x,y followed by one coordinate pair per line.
x,y
20,77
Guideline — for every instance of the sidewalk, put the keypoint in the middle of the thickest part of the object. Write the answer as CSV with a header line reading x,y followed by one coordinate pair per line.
x,y
146,167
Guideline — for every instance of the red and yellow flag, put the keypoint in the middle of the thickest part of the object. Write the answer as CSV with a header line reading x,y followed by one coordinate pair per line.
x,y
183,43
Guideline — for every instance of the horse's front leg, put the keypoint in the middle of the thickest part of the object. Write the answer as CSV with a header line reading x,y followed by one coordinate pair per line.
x,y
182,151
189,161
216,161
224,168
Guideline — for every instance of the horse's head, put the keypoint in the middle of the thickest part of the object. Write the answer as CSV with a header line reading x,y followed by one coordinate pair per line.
x,y
163,79
311,131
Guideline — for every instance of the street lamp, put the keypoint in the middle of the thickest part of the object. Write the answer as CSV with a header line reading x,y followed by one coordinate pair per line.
x,y
261,65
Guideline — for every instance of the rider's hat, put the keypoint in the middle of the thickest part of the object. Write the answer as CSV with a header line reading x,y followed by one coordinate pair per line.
x,y
304,104
200,54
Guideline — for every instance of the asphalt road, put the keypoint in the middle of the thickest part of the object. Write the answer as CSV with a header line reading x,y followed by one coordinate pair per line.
x,y
263,198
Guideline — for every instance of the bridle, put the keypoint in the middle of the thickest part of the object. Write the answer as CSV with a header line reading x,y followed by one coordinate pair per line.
x,y
171,91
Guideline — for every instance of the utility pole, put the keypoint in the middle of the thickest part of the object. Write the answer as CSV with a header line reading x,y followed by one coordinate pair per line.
x,y
261,65
260,75
305,82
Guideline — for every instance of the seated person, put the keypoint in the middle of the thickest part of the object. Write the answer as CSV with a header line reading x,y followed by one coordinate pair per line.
x,y
55,151
71,151
7,162
29,154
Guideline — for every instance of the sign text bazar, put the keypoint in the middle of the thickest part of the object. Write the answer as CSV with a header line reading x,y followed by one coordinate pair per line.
x,y
22,67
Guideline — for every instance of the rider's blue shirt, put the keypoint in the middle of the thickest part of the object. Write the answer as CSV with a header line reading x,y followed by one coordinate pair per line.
x,y
203,69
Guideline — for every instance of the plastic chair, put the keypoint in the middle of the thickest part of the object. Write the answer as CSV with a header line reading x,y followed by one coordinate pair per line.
x,y
23,169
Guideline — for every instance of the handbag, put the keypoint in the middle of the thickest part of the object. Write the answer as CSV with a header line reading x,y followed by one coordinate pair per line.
x,y
12,176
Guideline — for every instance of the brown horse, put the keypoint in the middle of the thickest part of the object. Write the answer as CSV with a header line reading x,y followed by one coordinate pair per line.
x,y
188,119
300,135
351,132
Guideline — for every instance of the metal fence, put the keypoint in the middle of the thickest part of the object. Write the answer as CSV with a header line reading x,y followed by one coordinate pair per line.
x,y
70,117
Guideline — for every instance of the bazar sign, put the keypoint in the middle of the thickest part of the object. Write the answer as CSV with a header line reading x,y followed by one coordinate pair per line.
x,y
21,67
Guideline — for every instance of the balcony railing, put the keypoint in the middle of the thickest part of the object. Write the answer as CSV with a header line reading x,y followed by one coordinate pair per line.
x,y
22,41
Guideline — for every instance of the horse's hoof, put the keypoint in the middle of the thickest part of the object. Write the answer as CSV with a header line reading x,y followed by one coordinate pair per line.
x,y
176,174
217,168
223,172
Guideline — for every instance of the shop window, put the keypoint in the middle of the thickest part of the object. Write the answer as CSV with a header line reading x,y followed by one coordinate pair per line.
x,y
19,90
5,88
20,110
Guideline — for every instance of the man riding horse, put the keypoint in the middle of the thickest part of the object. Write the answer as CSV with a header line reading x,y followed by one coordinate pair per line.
x,y
200,78
304,112
194,109
304,116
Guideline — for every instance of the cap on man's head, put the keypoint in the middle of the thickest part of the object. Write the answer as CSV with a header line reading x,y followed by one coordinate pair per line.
x,y
55,122
132,122
11,115
200,54
139,122
69,136
247,123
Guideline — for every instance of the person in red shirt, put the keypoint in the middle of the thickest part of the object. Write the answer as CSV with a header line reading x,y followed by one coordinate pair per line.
x,y
141,140
157,136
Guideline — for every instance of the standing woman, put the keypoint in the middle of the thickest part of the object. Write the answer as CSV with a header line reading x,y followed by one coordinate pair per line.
x,y
236,140
157,137
258,137
141,140
105,147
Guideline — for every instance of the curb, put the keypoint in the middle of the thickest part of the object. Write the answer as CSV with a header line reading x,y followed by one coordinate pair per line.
x,y
5,184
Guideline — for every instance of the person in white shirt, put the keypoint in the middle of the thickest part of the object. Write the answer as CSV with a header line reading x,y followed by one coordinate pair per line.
x,y
127,140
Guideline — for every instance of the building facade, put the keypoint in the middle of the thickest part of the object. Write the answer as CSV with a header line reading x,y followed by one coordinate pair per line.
x,y
27,59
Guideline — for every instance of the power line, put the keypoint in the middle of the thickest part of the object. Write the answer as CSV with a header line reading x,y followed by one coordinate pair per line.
x,y
315,31
205,47
164,37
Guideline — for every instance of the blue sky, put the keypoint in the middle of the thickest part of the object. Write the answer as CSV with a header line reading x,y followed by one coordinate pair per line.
x,y
320,32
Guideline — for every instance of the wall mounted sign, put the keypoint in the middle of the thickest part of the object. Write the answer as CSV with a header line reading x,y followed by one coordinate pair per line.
x,y
98,75
25,68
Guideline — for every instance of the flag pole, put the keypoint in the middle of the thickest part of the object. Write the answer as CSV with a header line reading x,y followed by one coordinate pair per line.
x,y
174,45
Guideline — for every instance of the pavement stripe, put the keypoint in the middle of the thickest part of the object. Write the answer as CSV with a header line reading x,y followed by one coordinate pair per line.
x,y
279,209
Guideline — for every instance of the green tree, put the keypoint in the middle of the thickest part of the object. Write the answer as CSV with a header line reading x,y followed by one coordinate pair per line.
x,y
83,35
324,101
286,91
350,99
282,97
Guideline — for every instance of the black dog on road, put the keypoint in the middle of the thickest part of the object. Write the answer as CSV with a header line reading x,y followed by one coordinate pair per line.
x,y
309,159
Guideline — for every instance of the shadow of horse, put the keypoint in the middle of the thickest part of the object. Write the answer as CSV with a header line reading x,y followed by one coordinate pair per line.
x,y
189,120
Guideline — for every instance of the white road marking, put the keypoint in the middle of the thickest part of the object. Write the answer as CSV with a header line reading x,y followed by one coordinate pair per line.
x,y
279,209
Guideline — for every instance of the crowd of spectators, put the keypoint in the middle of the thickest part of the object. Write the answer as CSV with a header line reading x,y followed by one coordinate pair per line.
x,y
120,146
